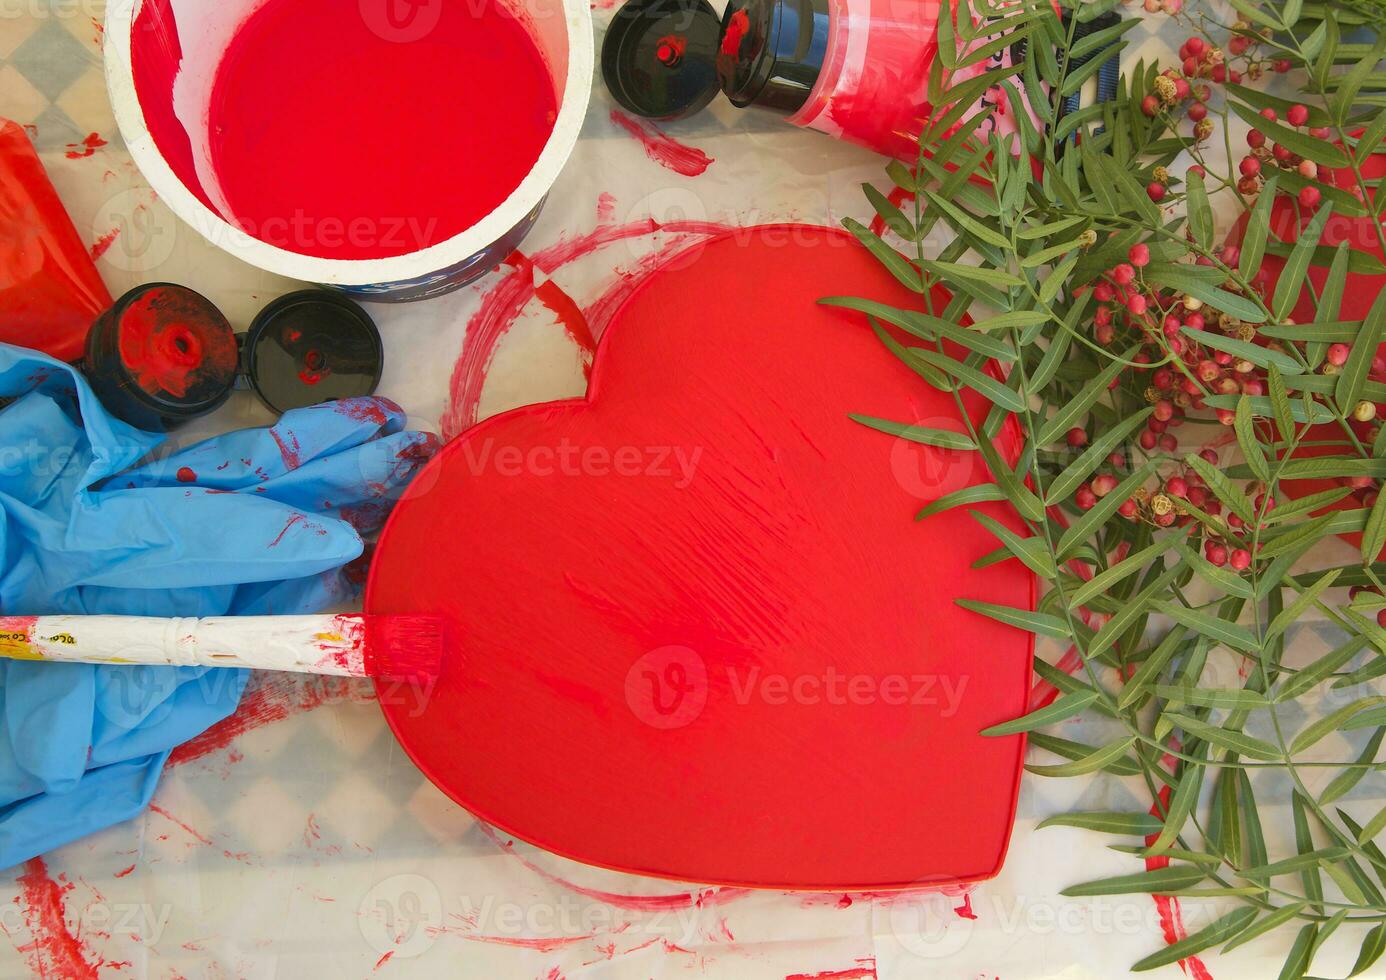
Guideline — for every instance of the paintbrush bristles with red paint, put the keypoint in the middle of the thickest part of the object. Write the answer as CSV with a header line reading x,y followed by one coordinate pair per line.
x,y
351,645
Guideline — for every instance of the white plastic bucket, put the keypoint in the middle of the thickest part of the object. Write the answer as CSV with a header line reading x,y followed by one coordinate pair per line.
x,y
563,31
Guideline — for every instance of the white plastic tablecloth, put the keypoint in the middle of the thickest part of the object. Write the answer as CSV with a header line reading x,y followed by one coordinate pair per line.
x,y
301,842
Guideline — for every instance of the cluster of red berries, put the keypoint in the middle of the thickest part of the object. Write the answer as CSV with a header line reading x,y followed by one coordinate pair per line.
x,y
1252,166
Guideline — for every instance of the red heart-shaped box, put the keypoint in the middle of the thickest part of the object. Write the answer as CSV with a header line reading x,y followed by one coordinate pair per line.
x,y
695,632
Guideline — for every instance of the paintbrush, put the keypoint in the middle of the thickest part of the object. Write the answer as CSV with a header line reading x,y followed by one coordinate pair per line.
x,y
350,645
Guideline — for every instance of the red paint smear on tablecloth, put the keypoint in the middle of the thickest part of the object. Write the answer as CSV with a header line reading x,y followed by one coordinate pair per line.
x,y
506,300
570,317
606,206
1171,915
543,945
964,911
638,903
662,148
868,969
124,871
87,147
384,959
172,819
274,700
104,243
54,950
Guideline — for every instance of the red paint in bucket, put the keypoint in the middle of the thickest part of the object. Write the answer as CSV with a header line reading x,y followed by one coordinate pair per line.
x,y
335,136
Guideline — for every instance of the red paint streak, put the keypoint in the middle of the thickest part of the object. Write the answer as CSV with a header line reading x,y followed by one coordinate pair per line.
x,y
448,167
87,147
897,196
706,898
506,300
543,945
275,699
964,911
853,973
295,519
19,629
662,148
124,871
186,474
371,409
1170,912
384,959
289,449
54,951
172,341
737,27
570,317
104,243
172,819
606,206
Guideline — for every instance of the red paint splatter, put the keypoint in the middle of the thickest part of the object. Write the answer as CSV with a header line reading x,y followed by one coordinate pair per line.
x,y
1170,912
371,409
289,449
384,959
124,871
867,970
87,147
276,697
570,317
706,898
54,950
104,243
100,30
506,300
174,820
964,911
295,519
662,148
670,48
606,206
186,474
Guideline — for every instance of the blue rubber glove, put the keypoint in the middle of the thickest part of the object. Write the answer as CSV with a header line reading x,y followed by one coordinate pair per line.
x,y
261,521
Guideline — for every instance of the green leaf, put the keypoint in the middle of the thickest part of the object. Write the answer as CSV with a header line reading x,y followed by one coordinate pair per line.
x,y
1252,452
1031,552
1094,456
890,213
1082,529
1180,278
940,438
1139,684
1233,741
1291,280
1072,411
984,384
978,494
1320,670
1161,881
1218,932
1181,803
1255,353
1200,212
1303,601
1280,399
1139,605
1062,708
1353,375
1298,863
1237,637
1257,232
1122,765
894,262
1373,827
1212,697
967,224
1099,758
1107,822
1297,964
1372,948
1262,926
1031,622
1103,581
1222,487
1346,781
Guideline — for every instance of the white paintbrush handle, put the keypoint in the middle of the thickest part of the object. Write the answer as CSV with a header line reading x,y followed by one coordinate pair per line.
x,y
310,644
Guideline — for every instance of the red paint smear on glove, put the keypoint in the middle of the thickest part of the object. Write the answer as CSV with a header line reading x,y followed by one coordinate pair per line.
x,y
50,291
54,951
662,148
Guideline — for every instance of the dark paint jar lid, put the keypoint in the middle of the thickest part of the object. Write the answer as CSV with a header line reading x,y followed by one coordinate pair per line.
x,y
312,346
659,57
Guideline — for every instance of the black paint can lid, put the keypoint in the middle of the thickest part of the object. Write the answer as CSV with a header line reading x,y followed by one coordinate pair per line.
x,y
312,346
659,57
